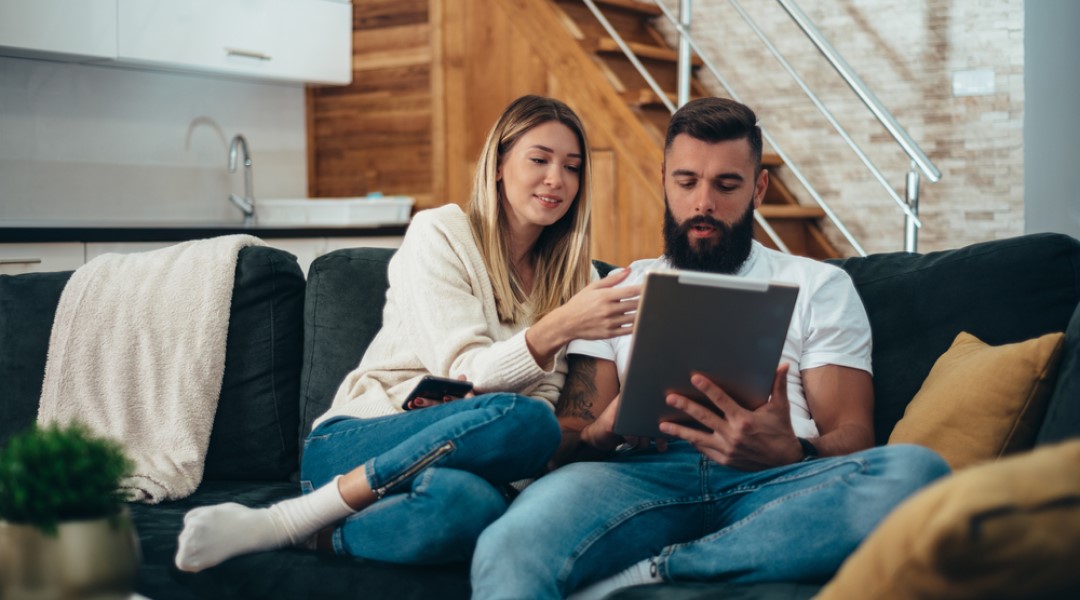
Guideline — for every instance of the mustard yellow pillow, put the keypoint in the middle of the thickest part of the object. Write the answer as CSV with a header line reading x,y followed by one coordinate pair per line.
x,y
1008,529
982,402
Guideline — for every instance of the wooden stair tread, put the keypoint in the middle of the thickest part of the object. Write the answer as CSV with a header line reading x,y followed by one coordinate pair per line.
x,y
608,45
796,224
789,211
647,10
647,97
770,160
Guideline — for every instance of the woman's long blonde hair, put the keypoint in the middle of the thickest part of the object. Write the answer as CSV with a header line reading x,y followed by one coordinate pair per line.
x,y
561,254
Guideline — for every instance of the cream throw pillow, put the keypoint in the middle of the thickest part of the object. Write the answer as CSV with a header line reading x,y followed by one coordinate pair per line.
x,y
1008,529
982,402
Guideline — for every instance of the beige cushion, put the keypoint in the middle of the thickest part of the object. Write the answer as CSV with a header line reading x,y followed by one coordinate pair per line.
x,y
1008,529
981,402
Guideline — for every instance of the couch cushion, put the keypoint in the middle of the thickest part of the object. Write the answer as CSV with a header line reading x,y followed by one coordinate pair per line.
x,y
346,291
1063,413
257,414
713,591
253,435
27,307
1009,529
982,402
1002,292
286,574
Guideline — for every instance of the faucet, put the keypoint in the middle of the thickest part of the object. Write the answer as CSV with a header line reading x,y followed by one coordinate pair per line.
x,y
247,203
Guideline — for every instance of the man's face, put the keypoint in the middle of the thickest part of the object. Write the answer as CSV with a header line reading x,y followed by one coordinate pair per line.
x,y
711,192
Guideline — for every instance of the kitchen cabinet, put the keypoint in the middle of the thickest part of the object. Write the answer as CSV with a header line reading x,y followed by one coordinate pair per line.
x,y
96,249
278,40
307,250
16,258
302,40
86,28
33,258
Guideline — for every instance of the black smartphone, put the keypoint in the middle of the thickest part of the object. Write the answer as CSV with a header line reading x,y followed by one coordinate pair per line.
x,y
436,388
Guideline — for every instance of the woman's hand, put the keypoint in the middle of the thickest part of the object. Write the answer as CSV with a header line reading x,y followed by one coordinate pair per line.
x,y
601,310
598,312
420,402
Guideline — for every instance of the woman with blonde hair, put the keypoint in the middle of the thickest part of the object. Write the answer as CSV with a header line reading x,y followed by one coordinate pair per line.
x,y
492,294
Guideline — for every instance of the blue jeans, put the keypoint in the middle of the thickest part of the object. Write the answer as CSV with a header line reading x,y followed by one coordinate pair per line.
x,y
702,521
440,473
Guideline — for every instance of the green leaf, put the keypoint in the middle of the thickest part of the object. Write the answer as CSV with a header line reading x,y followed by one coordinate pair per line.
x,y
57,473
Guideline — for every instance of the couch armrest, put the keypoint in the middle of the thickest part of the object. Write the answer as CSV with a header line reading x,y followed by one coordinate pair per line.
x,y
1062,419
253,436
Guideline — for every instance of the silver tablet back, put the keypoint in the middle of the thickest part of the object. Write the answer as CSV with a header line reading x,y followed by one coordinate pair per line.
x,y
731,329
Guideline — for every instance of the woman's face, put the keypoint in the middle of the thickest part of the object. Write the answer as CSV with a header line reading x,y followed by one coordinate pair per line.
x,y
540,176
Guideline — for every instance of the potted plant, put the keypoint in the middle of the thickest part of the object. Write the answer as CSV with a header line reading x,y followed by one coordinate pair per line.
x,y
65,531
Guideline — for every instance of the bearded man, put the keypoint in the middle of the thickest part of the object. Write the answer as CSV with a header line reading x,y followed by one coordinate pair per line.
x,y
781,493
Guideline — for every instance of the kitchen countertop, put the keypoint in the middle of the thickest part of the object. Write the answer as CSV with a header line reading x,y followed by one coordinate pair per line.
x,y
172,231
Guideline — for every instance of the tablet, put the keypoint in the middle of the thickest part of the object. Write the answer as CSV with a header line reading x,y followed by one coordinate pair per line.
x,y
732,329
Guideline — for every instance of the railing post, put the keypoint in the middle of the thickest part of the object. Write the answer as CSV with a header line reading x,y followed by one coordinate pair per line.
x,y
911,228
686,16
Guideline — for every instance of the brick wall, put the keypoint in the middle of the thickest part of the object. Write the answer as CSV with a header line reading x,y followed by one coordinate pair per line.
x,y
907,53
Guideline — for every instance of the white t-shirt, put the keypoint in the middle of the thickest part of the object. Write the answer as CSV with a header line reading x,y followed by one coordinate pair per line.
x,y
829,325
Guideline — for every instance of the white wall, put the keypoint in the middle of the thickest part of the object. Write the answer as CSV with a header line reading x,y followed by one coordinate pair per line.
x,y
1051,122
82,142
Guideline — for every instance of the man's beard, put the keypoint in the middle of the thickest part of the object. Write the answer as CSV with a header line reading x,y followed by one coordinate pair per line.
x,y
723,254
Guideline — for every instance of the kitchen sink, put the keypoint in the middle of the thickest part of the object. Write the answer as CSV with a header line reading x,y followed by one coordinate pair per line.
x,y
370,210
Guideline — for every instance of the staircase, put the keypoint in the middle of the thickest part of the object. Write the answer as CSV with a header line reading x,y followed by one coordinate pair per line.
x,y
797,226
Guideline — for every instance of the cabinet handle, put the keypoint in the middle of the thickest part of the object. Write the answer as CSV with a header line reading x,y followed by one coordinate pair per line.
x,y
247,53
20,261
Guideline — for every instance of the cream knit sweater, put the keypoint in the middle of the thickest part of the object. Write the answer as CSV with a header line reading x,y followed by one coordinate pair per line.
x,y
440,318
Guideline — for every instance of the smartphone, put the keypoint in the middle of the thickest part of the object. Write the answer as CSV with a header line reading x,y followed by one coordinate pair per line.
x,y
436,388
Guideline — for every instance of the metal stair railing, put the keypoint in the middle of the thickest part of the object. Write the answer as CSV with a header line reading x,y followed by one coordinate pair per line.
x,y
918,158
662,95
919,161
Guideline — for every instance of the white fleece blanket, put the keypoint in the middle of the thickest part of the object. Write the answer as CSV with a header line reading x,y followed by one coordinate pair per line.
x,y
137,354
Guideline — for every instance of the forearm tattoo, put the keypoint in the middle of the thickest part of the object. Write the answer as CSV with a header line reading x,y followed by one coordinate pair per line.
x,y
579,393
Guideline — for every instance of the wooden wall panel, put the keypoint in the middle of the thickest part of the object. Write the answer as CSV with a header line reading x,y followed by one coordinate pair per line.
x,y
431,76
484,66
633,230
495,51
374,135
605,223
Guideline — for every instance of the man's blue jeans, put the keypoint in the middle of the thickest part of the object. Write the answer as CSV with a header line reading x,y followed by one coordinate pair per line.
x,y
587,521
441,472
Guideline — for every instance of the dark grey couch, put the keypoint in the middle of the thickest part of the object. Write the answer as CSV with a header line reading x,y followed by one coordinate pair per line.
x,y
291,342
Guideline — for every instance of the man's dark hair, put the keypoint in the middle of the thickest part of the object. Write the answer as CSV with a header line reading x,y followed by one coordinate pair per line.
x,y
713,120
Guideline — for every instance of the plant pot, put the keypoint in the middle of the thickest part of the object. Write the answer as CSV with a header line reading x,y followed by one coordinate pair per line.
x,y
96,558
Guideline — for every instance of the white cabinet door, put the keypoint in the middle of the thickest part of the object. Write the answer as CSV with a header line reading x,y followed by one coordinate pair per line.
x,y
296,40
388,241
96,249
306,250
34,258
69,27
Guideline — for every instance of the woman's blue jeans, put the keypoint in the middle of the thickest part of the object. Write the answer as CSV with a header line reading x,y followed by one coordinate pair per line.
x,y
440,473
704,522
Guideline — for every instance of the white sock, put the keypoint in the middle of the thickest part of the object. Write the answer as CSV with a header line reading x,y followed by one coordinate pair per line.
x,y
214,534
636,574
